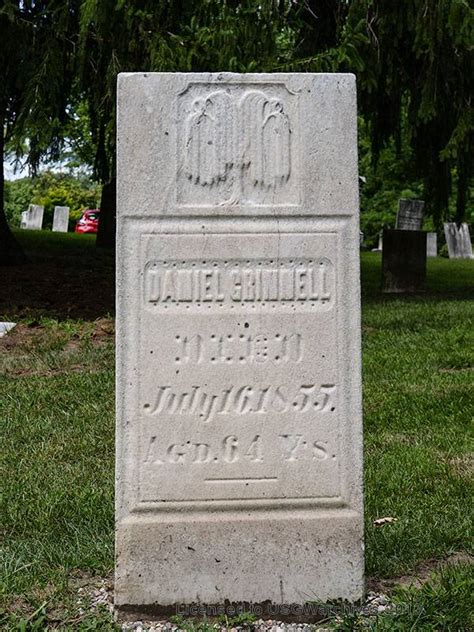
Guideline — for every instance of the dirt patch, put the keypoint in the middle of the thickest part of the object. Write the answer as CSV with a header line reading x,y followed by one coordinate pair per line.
x,y
78,368
31,335
20,336
463,466
103,329
421,576
399,438
25,345
19,605
369,330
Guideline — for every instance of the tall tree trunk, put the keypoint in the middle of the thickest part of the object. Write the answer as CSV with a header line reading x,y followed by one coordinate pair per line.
x,y
107,217
463,183
11,252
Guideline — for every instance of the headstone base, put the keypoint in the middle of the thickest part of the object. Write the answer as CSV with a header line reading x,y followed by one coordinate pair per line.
x,y
275,566
403,261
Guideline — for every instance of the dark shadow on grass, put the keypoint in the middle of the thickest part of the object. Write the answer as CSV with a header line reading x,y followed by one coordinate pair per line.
x,y
66,276
446,279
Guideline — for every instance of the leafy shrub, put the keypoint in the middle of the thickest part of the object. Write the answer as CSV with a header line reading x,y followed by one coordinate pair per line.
x,y
50,189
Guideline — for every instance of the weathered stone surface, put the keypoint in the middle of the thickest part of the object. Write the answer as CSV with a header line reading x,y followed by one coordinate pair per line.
x,y
403,261
458,241
32,219
60,219
431,244
410,215
5,327
239,436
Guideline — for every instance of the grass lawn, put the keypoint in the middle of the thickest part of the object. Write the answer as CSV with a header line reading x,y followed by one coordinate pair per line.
x,y
57,424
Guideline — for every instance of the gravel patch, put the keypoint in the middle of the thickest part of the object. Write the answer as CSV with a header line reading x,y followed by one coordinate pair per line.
x,y
101,596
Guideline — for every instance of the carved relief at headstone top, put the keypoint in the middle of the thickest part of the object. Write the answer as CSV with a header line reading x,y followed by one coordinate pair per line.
x,y
410,214
238,145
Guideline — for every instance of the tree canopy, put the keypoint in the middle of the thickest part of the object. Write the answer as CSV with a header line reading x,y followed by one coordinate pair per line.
x,y
412,58
413,61
416,85
37,46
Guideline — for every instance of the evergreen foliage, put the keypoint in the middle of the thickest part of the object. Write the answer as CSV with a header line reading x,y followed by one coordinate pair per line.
x,y
37,44
50,189
413,62
170,36
59,62
415,74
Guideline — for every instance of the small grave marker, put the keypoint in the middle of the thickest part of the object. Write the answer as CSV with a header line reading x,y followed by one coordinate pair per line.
x,y
32,219
410,215
458,241
60,219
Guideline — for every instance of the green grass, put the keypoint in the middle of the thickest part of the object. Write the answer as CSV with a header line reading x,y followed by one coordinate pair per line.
x,y
57,469
57,413
418,370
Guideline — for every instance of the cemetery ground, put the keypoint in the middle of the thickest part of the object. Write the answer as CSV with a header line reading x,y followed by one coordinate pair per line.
x,y
57,421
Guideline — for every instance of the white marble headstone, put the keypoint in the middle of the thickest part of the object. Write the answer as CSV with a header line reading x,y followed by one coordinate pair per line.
x,y
431,244
239,434
32,219
5,327
60,219
379,244
458,241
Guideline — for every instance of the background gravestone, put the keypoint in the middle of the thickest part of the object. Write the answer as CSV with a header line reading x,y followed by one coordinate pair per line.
x,y
61,219
403,261
32,219
458,241
431,244
239,435
379,244
410,215
24,220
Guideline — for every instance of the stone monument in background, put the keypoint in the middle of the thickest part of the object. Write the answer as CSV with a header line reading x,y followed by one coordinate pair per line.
x,y
61,219
379,243
405,249
410,215
239,433
458,241
431,244
32,219
403,261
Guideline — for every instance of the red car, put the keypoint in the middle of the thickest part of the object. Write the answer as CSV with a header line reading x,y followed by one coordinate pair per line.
x,y
88,222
